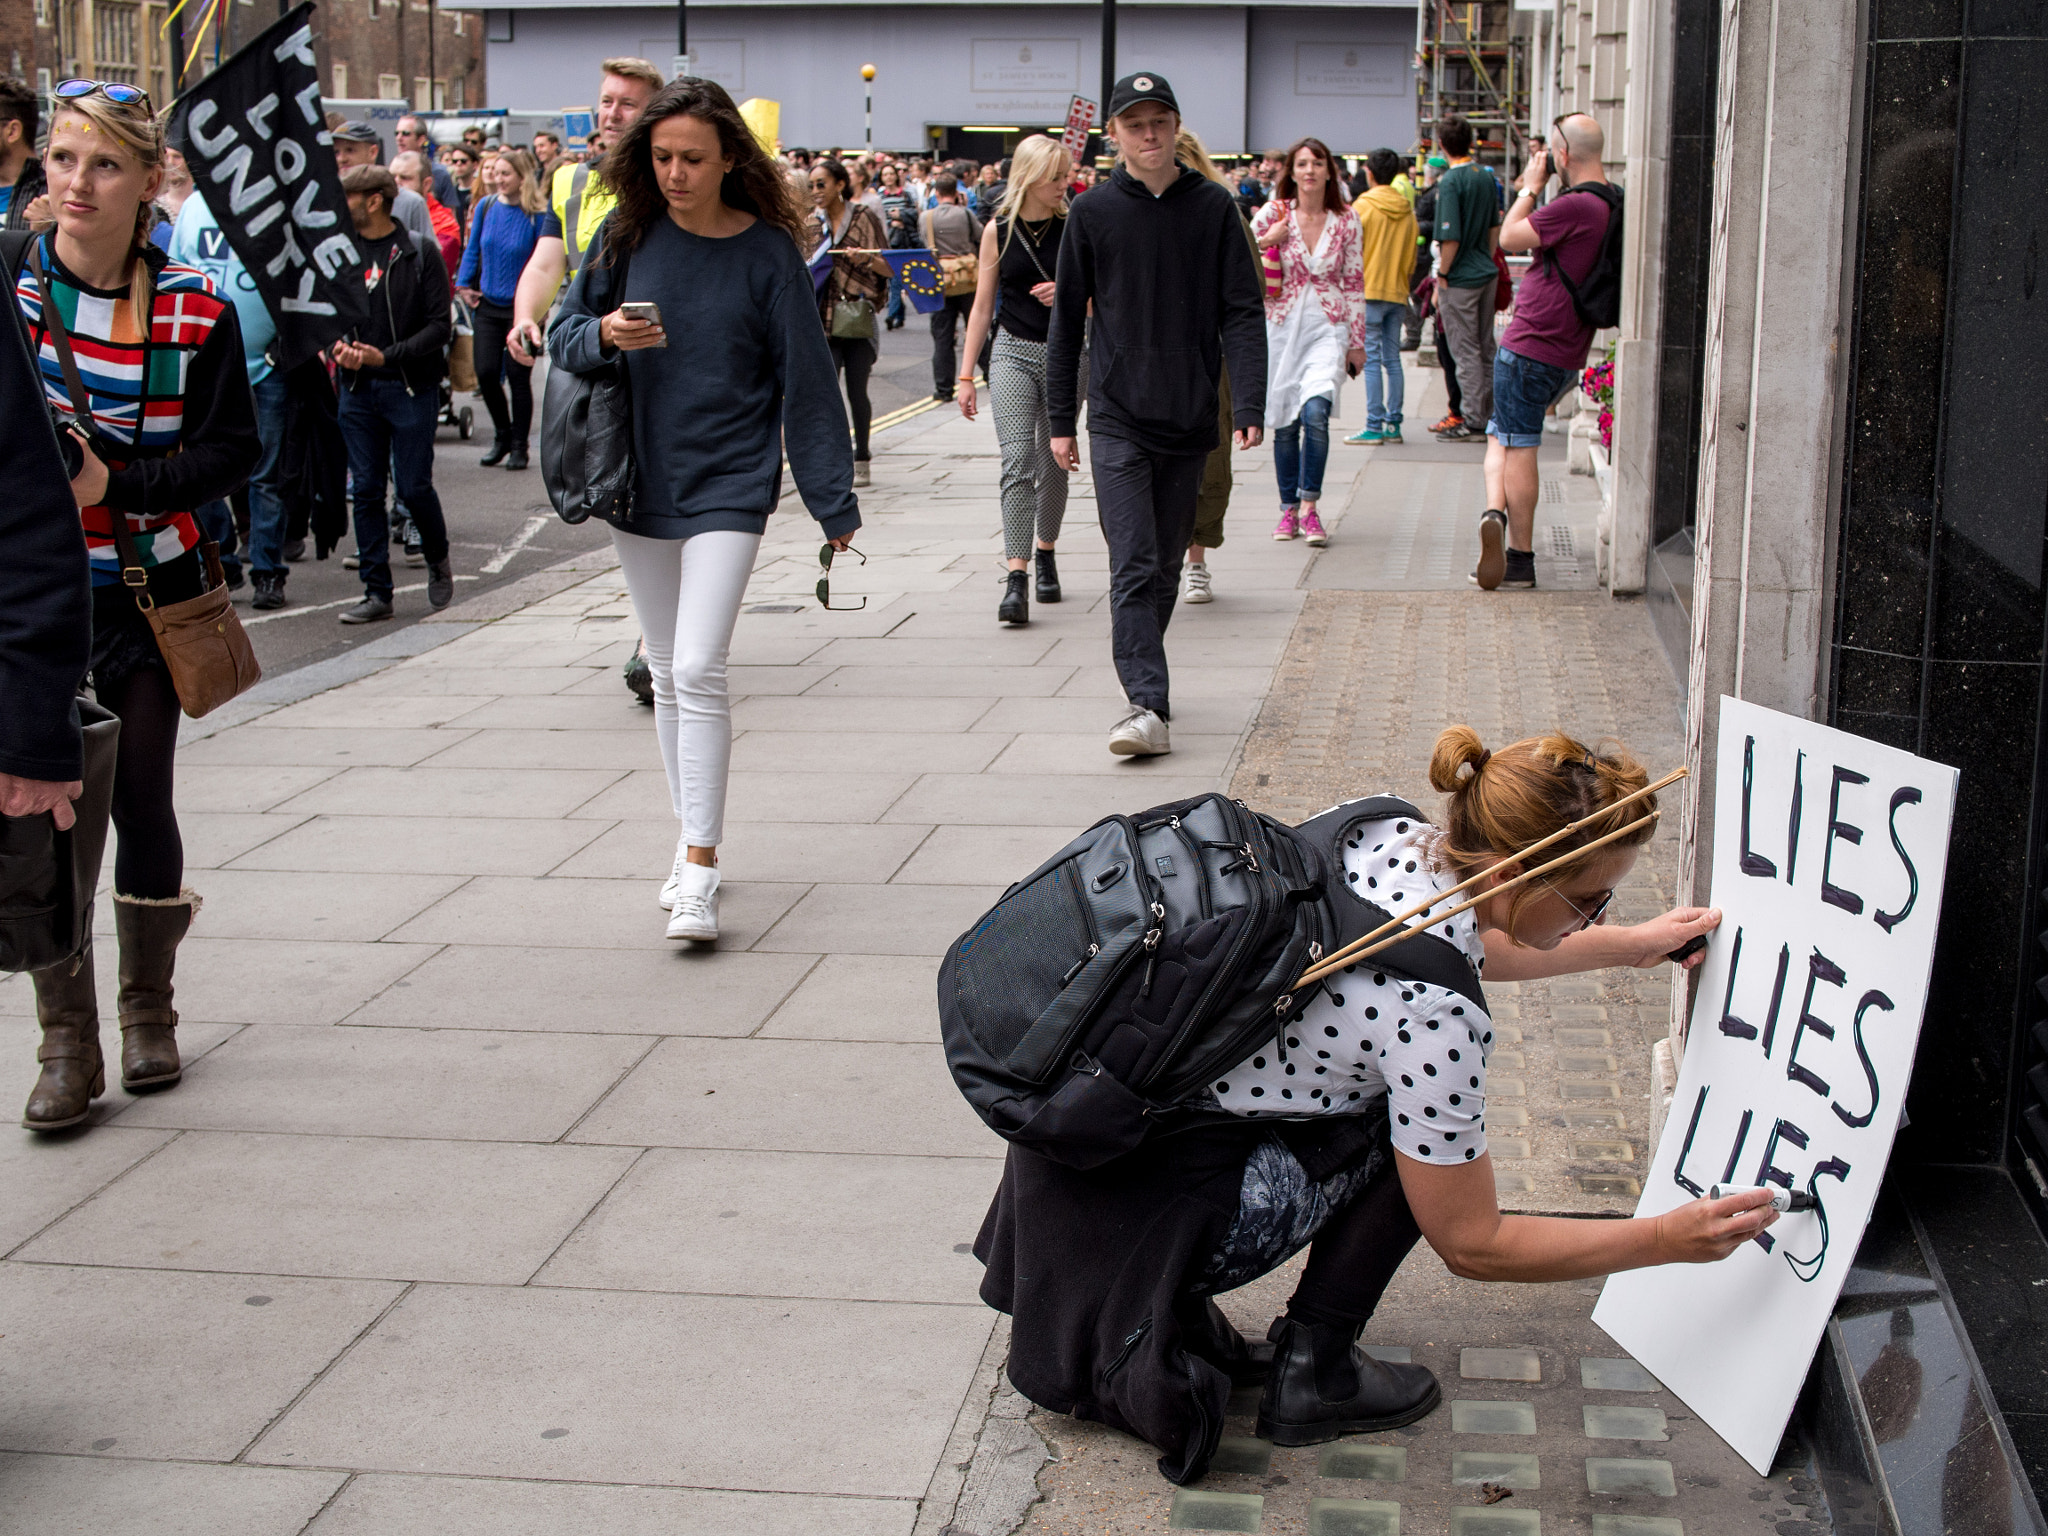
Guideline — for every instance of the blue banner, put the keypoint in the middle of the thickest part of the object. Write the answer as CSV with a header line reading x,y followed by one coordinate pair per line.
x,y
919,273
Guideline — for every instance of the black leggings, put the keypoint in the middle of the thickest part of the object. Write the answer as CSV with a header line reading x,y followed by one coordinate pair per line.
x,y
856,359
1354,1256
495,367
150,861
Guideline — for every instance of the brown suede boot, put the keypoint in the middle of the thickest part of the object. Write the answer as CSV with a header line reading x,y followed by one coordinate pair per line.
x,y
149,931
73,1072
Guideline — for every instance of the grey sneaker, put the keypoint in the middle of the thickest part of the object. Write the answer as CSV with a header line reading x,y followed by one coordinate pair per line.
x,y
441,583
1141,733
1198,589
368,611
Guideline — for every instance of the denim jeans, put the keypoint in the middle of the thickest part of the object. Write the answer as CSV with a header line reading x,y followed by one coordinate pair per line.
x,y
1383,320
1300,450
216,521
383,424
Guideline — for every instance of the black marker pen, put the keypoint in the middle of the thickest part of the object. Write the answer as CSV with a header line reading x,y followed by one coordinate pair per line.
x,y
1781,1199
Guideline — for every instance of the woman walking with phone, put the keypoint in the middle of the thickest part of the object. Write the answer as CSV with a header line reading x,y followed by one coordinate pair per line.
x,y
170,424
1020,250
1315,325
506,230
855,290
705,233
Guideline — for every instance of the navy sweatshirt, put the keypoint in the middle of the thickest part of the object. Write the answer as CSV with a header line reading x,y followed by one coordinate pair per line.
x,y
1175,291
745,376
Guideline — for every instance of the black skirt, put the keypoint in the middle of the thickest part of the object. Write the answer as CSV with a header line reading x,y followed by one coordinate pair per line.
x,y
122,641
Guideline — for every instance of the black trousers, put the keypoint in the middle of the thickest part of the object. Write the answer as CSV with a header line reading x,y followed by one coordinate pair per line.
x,y
946,322
856,359
496,369
1146,504
1354,1257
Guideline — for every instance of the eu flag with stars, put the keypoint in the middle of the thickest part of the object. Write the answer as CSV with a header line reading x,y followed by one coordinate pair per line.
x,y
919,273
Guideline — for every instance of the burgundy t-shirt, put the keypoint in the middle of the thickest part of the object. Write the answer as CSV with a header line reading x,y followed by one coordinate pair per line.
x,y
1546,326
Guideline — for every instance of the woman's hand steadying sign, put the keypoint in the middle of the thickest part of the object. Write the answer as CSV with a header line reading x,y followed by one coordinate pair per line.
x,y
1704,1231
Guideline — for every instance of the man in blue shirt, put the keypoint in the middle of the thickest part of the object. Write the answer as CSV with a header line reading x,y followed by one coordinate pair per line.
x,y
197,241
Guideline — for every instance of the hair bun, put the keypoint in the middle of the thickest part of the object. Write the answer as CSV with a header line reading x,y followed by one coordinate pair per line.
x,y
1457,759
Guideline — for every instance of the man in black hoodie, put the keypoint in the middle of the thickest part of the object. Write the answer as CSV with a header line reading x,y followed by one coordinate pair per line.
x,y
1161,252
390,394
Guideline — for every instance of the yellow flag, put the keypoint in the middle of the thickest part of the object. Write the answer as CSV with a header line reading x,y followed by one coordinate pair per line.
x,y
765,118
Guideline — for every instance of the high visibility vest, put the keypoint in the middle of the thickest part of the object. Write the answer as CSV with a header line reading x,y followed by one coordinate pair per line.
x,y
581,208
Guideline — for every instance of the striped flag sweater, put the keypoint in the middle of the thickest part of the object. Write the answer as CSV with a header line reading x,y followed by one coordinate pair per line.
x,y
171,402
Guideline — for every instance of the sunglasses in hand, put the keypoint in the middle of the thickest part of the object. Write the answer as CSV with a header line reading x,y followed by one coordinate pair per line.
x,y
825,554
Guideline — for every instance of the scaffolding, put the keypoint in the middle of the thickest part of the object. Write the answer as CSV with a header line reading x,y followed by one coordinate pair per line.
x,y
1473,60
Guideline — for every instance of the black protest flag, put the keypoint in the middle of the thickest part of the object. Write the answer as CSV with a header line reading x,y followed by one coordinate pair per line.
x,y
256,137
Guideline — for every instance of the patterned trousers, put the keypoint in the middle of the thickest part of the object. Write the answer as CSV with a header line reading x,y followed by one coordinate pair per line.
x,y
1034,486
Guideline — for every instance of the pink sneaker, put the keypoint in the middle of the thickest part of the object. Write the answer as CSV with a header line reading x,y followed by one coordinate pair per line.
x,y
1287,527
1312,529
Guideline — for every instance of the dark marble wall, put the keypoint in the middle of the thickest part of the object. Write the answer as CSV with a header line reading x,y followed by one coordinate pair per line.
x,y
1938,643
1688,233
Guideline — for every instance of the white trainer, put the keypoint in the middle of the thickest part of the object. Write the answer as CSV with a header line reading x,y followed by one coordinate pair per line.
x,y
668,886
1141,733
695,915
1197,590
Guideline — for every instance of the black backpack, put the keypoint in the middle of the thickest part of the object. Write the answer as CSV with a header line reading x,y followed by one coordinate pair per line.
x,y
1090,1006
1598,298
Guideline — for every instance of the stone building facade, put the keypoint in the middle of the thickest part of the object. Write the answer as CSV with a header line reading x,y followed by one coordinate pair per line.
x,y
395,49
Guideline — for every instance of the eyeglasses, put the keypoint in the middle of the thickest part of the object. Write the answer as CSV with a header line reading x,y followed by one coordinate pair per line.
x,y
113,90
825,554
1587,919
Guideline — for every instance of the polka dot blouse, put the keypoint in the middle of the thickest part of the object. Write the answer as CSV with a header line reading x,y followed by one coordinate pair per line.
x,y
1371,1033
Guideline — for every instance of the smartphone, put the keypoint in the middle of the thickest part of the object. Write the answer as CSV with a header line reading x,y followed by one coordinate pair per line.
x,y
643,309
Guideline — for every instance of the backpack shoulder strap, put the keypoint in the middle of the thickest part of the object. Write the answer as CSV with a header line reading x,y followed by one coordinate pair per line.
x,y
14,244
572,216
1425,957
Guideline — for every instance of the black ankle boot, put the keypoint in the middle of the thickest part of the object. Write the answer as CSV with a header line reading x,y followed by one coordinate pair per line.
x,y
1048,577
516,459
1015,607
496,456
1245,1363
1324,1386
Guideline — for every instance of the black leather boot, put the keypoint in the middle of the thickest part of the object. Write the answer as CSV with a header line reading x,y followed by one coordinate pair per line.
x,y
1048,577
516,459
1245,1363
1015,607
499,448
1324,1386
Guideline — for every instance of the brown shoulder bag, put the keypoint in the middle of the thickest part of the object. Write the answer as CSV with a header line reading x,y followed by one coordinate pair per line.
x,y
204,646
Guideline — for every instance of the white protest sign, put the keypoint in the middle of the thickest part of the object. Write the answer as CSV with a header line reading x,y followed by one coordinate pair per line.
x,y
1829,852
1080,118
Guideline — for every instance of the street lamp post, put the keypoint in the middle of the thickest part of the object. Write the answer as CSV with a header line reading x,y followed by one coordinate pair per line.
x,y
1108,67
867,73
680,64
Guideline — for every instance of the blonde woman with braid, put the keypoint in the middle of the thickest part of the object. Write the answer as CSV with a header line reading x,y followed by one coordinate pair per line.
x,y
159,352
1020,251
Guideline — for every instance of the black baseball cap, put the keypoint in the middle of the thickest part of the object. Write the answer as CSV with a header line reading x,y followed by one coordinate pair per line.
x,y
1143,86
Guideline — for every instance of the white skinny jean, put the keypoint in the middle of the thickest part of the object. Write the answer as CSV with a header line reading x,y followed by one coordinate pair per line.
x,y
686,594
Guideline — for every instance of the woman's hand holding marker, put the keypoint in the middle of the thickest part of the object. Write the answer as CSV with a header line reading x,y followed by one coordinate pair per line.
x,y
1705,1231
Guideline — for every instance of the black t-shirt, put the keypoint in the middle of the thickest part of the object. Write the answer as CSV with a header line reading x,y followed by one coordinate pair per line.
x,y
1029,257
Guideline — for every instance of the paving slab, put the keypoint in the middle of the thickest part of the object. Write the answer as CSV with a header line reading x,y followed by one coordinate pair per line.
x,y
591,914
462,792
420,844
760,795
1072,801
200,1368
42,1178
264,745
214,838
327,906
918,716
898,919
781,850
795,1096
109,1496
786,1224
861,997
378,1504
678,990
618,748
471,1085
699,1391
364,1207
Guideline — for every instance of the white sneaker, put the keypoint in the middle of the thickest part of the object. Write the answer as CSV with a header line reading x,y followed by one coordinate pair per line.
x,y
696,910
668,886
1197,590
1141,733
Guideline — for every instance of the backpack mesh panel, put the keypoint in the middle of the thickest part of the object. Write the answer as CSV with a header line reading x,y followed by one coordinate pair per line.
x,y
1008,969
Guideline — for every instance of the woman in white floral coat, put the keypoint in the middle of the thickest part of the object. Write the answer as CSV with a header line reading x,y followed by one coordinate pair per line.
x,y
1315,325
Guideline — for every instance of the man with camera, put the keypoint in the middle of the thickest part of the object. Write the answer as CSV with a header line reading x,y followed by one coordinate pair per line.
x,y
1545,346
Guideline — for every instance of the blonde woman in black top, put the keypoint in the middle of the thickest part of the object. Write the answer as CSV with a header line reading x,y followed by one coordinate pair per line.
x,y
1019,254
